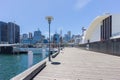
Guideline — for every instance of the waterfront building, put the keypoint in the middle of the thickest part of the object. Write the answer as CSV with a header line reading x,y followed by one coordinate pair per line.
x,y
25,39
30,35
3,32
69,35
9,33
13,33
45,41
25,36
65,38
61,37
56,38
103,28
73,36
37,36
43,37
77,39
51,38
20,38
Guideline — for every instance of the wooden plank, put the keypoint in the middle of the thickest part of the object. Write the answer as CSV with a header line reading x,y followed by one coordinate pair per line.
x,y
77,64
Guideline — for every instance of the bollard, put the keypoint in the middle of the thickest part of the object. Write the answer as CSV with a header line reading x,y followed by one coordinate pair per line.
x,y
30,58
43,53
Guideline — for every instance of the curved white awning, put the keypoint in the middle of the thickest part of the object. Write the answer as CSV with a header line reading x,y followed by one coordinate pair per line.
x,y
93,25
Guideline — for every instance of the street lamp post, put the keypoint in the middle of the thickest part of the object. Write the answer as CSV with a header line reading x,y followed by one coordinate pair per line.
x,y
49,18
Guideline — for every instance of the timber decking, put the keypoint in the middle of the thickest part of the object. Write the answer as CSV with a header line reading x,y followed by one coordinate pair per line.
x,y
78,64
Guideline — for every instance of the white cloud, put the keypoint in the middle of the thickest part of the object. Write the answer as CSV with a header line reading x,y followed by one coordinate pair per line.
x,y
81,3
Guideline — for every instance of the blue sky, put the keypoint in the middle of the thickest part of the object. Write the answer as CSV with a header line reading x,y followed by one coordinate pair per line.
x,y
68,14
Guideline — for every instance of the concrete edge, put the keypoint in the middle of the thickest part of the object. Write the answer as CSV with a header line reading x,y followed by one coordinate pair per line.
x,y
31,72
55,54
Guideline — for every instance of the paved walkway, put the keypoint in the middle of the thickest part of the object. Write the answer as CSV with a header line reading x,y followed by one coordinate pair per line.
x,y
77,64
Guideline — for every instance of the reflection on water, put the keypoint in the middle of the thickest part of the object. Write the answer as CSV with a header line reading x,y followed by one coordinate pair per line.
x,y
30,58
11,65
43,53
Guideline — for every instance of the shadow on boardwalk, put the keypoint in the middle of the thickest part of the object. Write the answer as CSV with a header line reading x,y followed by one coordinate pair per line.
x,y
56,63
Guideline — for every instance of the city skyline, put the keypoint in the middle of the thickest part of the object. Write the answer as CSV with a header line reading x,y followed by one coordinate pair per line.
x,y
68,15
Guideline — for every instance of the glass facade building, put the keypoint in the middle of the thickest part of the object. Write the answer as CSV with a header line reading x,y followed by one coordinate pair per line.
x,y
9,33
56,38
37,36
3,32
13,33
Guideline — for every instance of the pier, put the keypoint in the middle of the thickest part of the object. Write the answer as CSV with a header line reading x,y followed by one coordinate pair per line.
x,y
7,48
78,64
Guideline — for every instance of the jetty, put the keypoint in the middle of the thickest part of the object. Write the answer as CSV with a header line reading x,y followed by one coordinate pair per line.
x,y
7,48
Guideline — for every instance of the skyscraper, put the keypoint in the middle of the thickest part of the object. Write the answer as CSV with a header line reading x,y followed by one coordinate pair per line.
x,y
3,32
66,38
69,35
56,38
25,36
37,36
9,33
30,35
13,33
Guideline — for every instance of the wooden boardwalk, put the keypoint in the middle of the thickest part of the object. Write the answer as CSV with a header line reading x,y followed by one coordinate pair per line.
x,y
77,64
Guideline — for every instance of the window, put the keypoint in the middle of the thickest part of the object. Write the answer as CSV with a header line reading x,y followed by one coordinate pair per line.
x,y
106,28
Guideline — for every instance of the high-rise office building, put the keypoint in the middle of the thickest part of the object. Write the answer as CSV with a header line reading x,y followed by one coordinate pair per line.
x,y
56,38
9,33
69,35
13,33
25,36
3,32
66,38
30,35
37,36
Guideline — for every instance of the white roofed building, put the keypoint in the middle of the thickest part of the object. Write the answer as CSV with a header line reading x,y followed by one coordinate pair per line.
x,y
103,28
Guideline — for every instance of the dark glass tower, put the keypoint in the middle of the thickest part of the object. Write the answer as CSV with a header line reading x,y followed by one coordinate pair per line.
x,y
9,33
13,33
3,32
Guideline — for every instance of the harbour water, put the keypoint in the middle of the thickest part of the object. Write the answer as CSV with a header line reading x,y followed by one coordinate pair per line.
x,y
13,64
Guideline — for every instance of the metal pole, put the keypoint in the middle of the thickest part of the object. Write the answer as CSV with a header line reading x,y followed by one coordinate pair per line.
x,y
49,18
49,43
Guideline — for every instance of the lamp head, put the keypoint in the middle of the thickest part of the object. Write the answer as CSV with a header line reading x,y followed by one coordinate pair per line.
x,y
49,18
